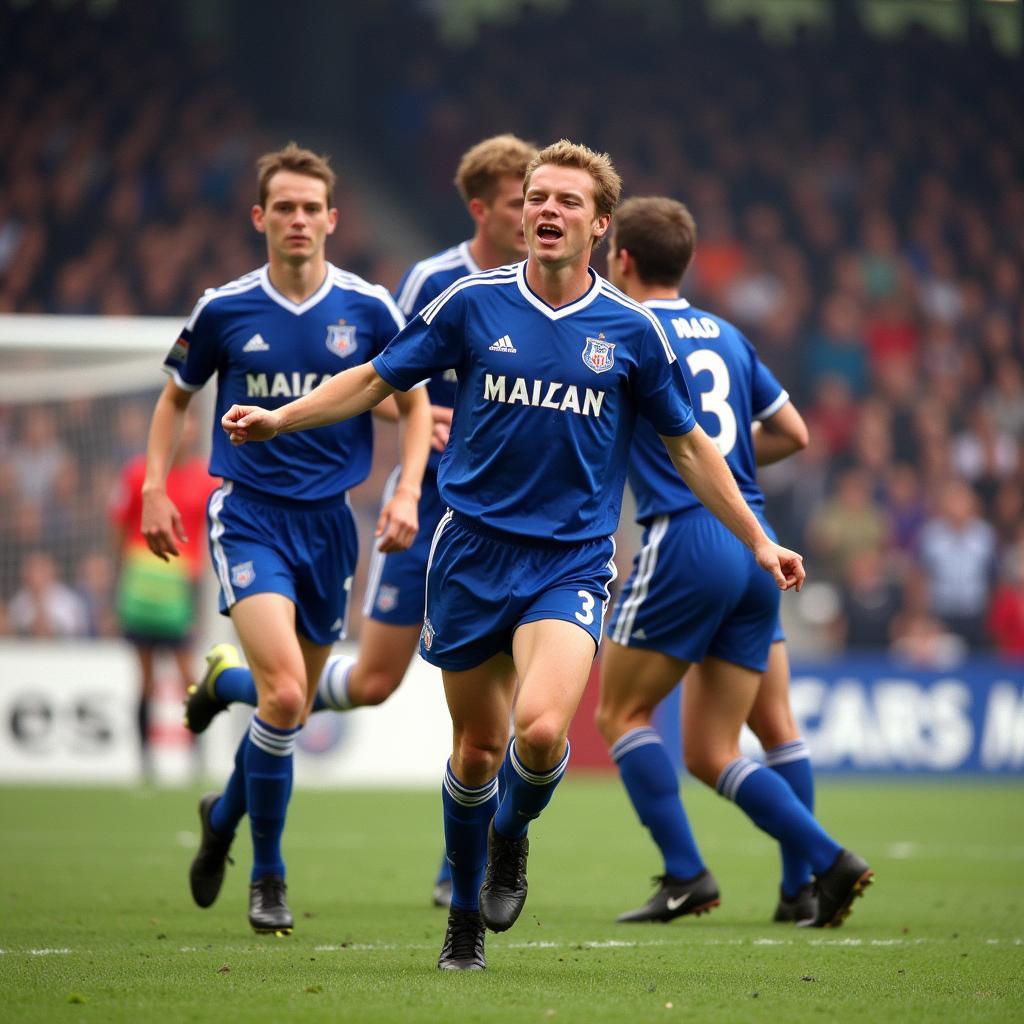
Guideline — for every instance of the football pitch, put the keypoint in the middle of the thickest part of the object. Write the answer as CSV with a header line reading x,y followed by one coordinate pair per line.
x,y
96,922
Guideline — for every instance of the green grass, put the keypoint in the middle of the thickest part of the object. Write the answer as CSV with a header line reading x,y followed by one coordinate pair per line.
x,y
96,923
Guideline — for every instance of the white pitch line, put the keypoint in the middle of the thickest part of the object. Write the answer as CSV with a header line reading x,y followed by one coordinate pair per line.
x,y
373,947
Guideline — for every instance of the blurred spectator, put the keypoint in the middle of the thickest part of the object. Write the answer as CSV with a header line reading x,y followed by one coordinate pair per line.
x,y
832,415
983,454
846,524
38,456
958,556
869,602
45,607
1004,400
1006,615
157,598
836,346
905,513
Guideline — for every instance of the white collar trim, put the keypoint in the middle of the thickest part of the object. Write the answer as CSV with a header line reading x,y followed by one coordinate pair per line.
x,y
298,308
562,311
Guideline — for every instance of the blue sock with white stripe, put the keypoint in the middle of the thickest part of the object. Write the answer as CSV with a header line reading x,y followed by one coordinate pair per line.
x,y
268,785
793,762
236,686
332,686
229,810
467,813
769,802
444,871
528,793
653,787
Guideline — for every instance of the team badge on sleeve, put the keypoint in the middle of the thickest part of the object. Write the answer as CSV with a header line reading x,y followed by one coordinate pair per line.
x,y
341,339
599,354
242,574
179,351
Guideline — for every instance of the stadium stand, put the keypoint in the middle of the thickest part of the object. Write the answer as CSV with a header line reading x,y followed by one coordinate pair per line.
x,y
865,234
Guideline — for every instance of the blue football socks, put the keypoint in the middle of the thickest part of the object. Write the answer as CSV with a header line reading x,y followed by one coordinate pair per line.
x,y
793,762
467,813
527,793
769,802
229,810
236,686
268,785
653,786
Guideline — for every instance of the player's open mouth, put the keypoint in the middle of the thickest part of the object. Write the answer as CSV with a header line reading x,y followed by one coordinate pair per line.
x,y
549,231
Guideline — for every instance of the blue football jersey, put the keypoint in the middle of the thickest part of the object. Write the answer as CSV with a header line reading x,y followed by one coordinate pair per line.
x,y
730,388
267,350
546,399
422,283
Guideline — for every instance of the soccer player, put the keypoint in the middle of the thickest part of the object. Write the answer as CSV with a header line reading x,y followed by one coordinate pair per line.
x,y
282,536
156,599
673,612
490,180
553,367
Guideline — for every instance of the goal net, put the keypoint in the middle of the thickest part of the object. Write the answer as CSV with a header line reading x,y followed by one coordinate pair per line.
x,y
76,394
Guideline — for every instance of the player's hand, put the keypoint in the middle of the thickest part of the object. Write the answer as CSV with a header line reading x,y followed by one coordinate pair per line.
x,y
249,423
787,567
442,427
398,523
161,524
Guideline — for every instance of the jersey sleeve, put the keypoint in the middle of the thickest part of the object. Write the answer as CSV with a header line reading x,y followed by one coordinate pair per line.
x,y
768,396
193,358
431,343
662,396
390,321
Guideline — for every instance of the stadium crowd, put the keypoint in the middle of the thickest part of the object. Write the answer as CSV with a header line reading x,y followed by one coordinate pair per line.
x,y
865,234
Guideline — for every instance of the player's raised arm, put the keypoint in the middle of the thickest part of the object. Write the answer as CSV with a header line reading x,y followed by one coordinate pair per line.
x,y
345,395
707,474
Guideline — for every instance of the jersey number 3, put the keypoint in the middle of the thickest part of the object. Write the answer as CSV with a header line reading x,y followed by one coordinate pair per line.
x,y
587,615
716,399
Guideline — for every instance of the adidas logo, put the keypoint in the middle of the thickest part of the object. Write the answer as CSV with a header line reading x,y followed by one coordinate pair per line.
x,y
504,344
338,624
256,344
639,634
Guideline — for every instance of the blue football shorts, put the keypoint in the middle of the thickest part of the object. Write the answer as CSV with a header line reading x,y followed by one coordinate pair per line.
x,y
696,590
397,581
306,551
483,584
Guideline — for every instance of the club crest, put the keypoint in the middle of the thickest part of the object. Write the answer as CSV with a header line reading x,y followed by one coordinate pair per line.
x,y
387,598
598,354
242,574
427,635
341,339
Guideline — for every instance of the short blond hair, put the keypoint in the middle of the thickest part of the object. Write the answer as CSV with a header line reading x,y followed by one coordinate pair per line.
x,y
607,183
484,165
299,161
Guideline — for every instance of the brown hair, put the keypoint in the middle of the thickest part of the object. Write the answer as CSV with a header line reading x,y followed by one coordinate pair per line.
x,y
660,234
297,160
484,165
607,183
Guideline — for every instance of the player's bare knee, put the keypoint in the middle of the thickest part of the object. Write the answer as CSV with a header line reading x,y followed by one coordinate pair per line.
x,y
284,701
541,742
477,760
